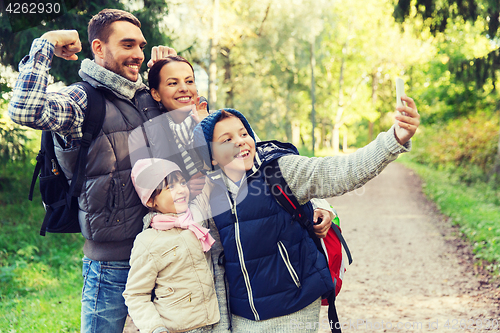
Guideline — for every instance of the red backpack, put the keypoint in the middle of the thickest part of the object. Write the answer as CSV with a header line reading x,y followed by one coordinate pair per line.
x,y
330,246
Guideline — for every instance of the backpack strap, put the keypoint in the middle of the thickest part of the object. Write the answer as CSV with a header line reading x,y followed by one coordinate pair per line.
x,y
337,231
285,197
333,317
38,166
92,125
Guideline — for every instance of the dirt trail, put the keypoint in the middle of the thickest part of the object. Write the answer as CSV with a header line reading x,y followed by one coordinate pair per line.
x,y
410,272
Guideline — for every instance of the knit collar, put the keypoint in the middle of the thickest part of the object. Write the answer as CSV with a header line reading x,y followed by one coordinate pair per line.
x,y
109,79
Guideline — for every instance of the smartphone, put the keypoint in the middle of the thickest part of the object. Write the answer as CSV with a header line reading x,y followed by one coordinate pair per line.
x,y
400,91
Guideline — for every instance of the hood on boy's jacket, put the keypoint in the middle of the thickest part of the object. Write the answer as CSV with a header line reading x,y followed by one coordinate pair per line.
x,y
148,173
204,131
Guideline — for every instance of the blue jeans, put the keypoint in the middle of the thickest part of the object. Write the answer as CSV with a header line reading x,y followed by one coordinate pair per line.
x,y
103,306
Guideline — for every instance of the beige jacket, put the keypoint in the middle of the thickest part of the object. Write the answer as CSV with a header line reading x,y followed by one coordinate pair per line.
x,y
172,263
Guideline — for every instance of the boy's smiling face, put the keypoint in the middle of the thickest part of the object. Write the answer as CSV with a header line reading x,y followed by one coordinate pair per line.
x,y
233,149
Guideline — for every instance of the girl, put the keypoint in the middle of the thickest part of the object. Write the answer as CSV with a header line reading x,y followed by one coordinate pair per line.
x,y
168,256
275,273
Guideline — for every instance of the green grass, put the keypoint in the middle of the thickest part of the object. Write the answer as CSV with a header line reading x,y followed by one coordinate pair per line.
x,y
49,301
475,208
40,277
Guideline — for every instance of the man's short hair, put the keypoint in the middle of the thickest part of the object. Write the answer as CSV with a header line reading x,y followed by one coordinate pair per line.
x,y
99,25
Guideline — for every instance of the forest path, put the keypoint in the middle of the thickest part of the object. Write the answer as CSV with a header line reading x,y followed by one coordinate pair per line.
x,y
411,272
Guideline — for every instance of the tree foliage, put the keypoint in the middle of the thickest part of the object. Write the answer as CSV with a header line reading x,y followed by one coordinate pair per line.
x,y
264,60
271,68
439,15
462,80
15,141
265,53
76,18
15,45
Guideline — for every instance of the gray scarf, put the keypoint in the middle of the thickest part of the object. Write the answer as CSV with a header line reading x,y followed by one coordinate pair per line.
x,y
109,79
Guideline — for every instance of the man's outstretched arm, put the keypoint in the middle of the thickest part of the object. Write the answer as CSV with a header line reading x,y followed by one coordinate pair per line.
x,y
31,105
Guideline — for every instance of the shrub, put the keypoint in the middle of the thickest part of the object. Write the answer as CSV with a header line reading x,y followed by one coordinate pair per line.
x,y
16,142
466,145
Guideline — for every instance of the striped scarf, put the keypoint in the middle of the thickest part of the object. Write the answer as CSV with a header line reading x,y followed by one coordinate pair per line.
x,y
183,135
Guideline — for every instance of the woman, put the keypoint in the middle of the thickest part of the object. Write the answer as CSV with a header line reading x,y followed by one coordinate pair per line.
x,y
172,84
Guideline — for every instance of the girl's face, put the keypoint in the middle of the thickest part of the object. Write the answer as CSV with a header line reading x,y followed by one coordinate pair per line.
x,y
172,199
233,148
177,89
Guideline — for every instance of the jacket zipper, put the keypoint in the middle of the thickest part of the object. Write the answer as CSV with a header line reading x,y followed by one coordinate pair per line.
x,y
242,259
288,264
180,300
170,250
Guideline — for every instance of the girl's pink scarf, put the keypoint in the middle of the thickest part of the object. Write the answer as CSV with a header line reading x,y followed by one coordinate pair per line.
x,y
185,221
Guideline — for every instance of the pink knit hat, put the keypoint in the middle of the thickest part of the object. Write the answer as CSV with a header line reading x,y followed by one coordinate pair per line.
x,y
148,173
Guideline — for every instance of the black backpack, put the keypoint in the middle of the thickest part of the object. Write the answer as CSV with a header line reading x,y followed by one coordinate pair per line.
x,y
59,198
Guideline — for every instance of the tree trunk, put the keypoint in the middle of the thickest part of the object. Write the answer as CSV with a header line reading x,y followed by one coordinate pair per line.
x,y
212,76
335,140
370,131
313,97
323,135
296,137
344,142
340,106
374,103
288,123
229,82
212,67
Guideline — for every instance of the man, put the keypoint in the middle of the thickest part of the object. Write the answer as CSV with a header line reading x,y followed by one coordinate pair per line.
x,y
110,210
110,213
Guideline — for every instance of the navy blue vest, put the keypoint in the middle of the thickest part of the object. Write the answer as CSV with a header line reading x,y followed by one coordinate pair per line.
x,y
272,265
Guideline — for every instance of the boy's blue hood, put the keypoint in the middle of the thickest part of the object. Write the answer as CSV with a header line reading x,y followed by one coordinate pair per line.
x,y
204,131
